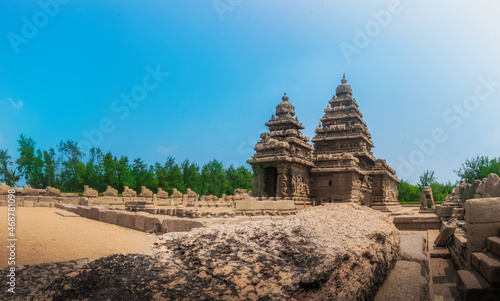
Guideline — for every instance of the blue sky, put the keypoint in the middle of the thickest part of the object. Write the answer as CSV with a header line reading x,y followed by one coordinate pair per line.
x,y
423,73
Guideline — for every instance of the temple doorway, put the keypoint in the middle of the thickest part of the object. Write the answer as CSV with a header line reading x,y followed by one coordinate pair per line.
x,y
270,181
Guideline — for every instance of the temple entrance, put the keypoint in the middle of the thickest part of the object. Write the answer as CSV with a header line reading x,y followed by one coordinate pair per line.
x,y
270,181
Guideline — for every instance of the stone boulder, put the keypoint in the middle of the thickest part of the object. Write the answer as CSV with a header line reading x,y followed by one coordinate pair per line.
x,y
176,193
4,188
32,191
127,192
52,191
311,256
446,233
162,194
110,191
426,198
190,193
491,181
495,190
146,192
89,192
480,191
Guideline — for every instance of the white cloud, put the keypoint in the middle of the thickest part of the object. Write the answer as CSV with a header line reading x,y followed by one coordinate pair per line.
x,y
167,149
18,104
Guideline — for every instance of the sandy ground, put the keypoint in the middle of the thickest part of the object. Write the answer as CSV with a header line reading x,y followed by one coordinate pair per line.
x,y
44,236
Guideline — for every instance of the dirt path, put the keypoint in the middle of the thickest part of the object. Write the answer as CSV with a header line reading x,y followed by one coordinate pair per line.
x,y
44,236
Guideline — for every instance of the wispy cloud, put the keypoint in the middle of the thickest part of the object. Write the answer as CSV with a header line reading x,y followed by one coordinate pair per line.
x,y
167,149
19,104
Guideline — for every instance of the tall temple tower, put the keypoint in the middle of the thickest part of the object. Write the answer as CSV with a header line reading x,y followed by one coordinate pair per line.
x,y
340,167
283,157
344,166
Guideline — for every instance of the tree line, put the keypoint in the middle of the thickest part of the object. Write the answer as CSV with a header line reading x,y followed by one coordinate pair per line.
x,y
476,168
64,167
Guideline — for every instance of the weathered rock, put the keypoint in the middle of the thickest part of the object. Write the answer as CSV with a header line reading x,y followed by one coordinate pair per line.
x,y
404,283
32,191
414,248
176,193
110,191
491,181
446,233
190,193
311,256
52,191
426,197
146,192
127,192
89,192
495,190
162,194
4,188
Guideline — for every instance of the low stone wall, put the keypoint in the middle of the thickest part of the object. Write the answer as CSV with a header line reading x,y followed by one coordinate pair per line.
x,y
417,221
141,221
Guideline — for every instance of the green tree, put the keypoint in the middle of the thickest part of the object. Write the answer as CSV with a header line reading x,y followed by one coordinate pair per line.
x,y
213,178
30,161
174,176
49,177
143,175
408,192
427,178
191,176
239,177
125,174
478,168
71,166
5,160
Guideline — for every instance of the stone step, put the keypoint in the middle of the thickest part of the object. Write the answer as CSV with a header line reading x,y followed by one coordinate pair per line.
x,y
476,257
473,286
490,269
493,245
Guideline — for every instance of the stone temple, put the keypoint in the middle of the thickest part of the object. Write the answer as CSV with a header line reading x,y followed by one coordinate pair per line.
x,y
339,168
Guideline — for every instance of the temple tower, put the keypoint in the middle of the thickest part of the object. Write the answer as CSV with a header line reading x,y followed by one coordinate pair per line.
x,y
345,169
283,157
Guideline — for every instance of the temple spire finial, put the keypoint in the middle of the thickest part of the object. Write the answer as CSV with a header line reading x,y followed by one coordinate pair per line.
x,y
344,80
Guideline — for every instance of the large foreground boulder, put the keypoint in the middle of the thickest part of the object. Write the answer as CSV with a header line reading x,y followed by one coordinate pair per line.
x,y
336,252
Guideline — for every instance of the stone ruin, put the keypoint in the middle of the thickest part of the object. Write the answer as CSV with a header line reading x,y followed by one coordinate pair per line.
x,y
127,192
89,192
162,194
176,193
426,198
339,168
146,192
110,191
273,261
53,191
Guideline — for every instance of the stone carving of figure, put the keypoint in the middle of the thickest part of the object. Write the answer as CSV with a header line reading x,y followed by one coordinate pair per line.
x,y
284,185
294,184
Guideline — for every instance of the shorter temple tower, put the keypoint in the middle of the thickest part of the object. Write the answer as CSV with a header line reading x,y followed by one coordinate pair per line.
x,y
283,157
340,167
